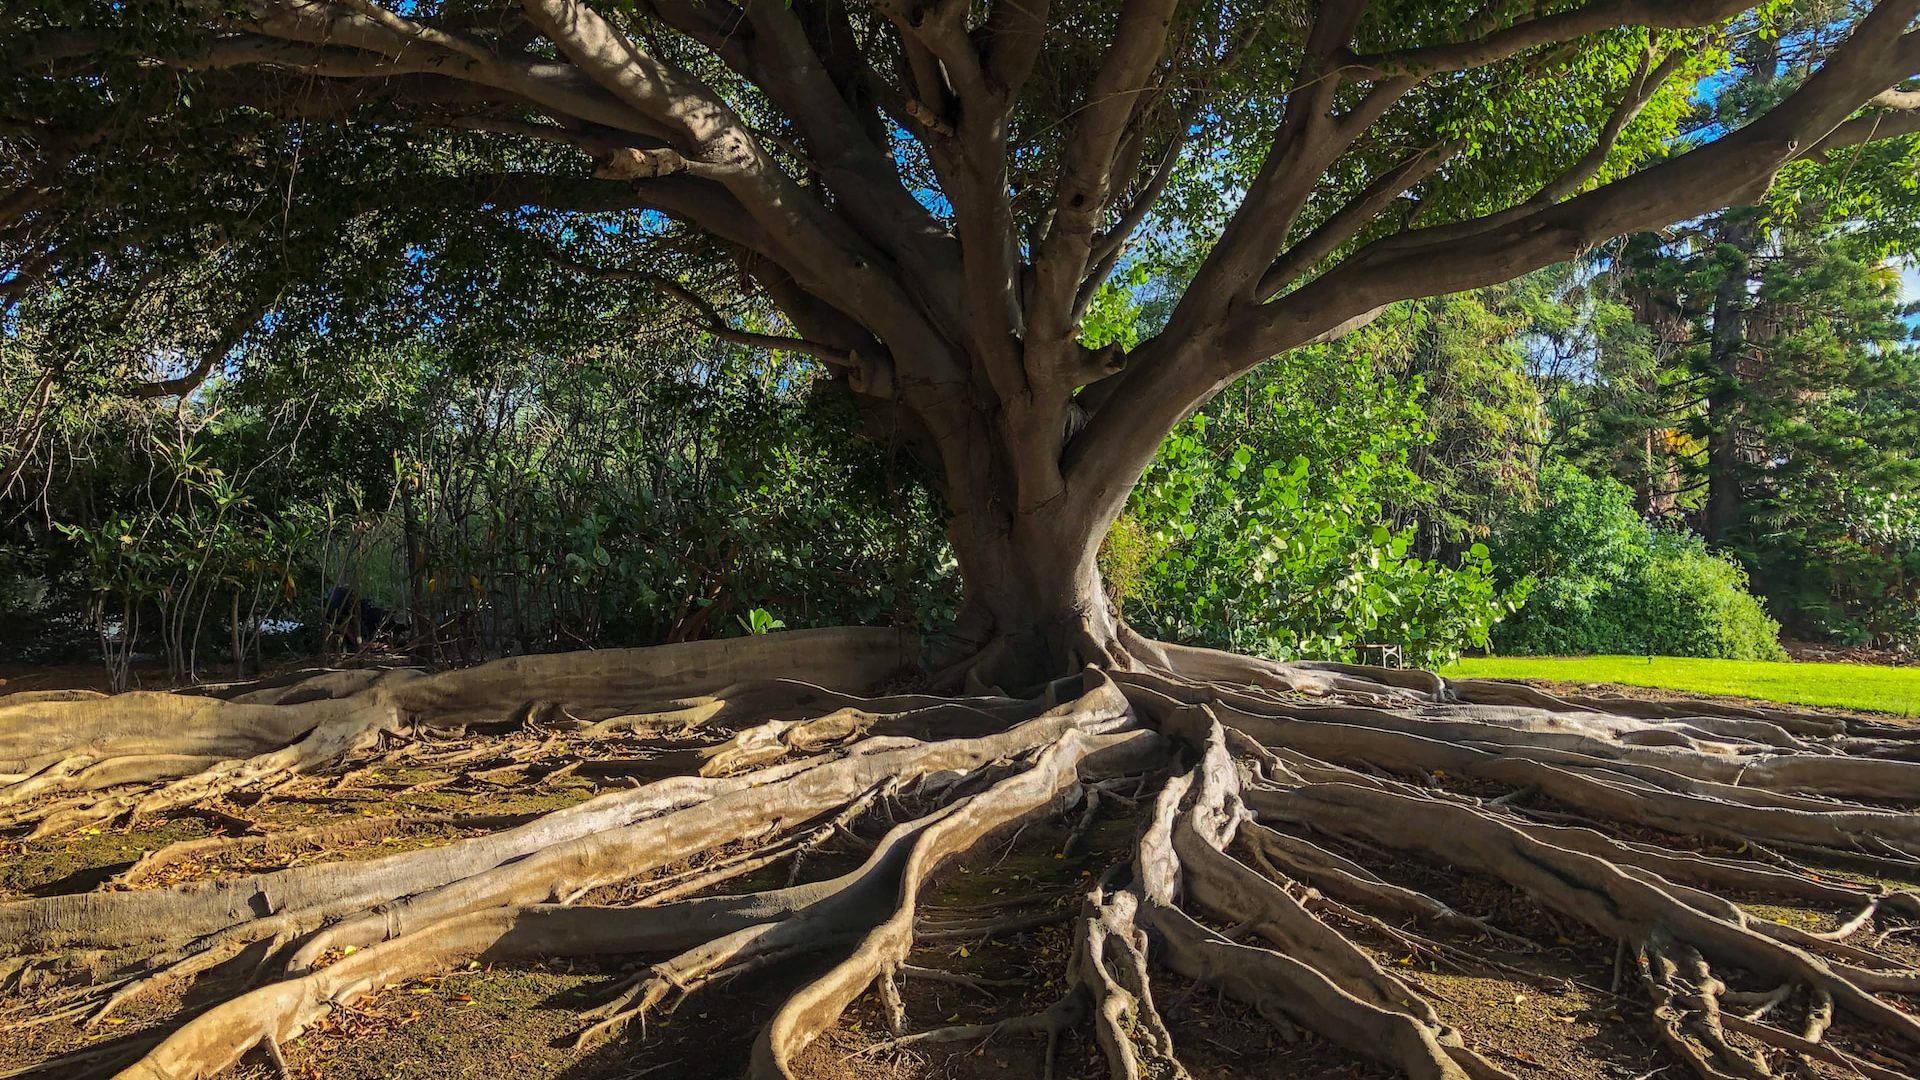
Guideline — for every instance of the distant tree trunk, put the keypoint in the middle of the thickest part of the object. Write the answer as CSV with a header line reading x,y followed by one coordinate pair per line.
x,y
238,640
1740,237
1726,350
415,568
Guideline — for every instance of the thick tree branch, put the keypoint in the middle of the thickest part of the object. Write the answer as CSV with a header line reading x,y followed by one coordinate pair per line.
x,y
708,129
1108,247
557,88
614,84
1014,34
1086,172
1544,30
249,50
939,29
1896,99
824,256
772,49
1310,141
1873,127
1646,83
971,164
210,358
1346,223
1891,114
456,43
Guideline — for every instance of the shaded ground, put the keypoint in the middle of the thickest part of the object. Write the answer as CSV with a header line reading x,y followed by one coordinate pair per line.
x,y
142,675
1827,653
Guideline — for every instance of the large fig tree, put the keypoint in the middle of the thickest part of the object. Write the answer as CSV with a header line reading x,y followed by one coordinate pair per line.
x,y
932,194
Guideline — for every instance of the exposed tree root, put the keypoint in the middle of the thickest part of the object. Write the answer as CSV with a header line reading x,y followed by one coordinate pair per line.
x,y
264,846
147,753
1280,809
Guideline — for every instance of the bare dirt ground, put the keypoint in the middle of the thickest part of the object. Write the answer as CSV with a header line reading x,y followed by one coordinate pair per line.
x,y
1827,653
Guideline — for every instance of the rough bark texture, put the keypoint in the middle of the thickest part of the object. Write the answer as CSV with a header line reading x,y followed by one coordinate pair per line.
x,y
1034,604
1280,810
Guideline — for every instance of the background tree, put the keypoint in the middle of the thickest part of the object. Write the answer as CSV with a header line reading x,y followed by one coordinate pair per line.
x,y
1814,381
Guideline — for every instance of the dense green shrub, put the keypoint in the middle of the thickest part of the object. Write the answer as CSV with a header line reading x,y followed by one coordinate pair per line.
x,y
1846,569
529,504
1264,525
1605,581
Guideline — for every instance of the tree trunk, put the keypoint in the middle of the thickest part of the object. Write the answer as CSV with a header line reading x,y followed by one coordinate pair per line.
x,y
1034,606
1026,538
238,642
1740,237
1728,345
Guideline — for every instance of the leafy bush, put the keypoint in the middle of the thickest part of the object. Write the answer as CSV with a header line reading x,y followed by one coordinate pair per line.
x,y
1847,569
1608,582
536,503
1264,525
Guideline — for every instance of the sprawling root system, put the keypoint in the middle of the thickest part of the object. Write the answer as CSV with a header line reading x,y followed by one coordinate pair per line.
x,y
1303,845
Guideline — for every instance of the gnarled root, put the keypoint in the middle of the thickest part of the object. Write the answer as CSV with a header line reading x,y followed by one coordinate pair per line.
x,y
148,753
1303,830
464,920
1674,927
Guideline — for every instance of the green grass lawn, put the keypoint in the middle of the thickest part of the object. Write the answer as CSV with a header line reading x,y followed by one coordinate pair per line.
x,y
1841,686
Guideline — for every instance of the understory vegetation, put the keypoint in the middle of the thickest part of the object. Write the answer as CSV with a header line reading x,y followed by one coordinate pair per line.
x,y
1411,487
1605,580
1281,521
489,504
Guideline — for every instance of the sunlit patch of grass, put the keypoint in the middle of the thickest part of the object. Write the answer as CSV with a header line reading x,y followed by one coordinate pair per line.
x,y
1840,686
